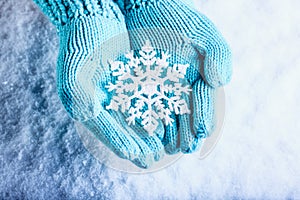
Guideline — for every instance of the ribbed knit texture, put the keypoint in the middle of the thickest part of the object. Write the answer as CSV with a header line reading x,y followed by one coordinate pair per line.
x,y
92,33
192,39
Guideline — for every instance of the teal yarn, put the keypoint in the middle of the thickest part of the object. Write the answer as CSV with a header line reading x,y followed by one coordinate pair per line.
x,y
192,39
91,33
61,12
174,15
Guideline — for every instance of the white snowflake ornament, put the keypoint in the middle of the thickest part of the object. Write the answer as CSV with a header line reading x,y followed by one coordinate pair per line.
x,y
148,89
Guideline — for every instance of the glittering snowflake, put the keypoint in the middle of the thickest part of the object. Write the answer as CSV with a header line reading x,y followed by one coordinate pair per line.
x,y
148,88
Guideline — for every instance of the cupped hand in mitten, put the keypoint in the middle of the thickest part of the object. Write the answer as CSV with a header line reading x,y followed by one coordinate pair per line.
x,y
197,51
92,33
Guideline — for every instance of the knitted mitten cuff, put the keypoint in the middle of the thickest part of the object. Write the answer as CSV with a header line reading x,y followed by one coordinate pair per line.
x,y
127,5
61,12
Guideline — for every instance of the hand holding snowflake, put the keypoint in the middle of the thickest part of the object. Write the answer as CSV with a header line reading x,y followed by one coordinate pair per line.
x,y
148,89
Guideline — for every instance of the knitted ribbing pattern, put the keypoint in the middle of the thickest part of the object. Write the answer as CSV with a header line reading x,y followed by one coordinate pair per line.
x,y
82,28
125,142
81,64
174,26
176,16
92,33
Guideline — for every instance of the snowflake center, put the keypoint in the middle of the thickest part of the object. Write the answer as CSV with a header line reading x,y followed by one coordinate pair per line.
x,y
149,89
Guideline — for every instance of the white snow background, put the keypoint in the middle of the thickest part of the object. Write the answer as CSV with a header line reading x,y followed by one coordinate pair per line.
x,y
258,156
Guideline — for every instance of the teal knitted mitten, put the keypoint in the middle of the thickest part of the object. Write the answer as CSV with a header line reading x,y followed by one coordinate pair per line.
x,y
92,33
197,49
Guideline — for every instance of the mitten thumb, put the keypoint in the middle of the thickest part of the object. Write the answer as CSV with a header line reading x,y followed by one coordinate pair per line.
x,y
217,54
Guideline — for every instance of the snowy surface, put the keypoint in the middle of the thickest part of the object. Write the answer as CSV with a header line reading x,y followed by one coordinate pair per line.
x,y
258,156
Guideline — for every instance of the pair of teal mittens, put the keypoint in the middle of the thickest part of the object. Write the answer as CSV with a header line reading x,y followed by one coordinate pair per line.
x,y
158,98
